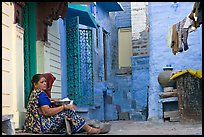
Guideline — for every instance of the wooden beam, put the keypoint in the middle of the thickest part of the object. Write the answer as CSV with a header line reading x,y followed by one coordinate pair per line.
x,y
170,114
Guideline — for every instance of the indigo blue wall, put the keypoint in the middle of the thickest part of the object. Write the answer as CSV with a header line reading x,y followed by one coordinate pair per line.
x,y
161,16
105,21
62,27
123,18
140,84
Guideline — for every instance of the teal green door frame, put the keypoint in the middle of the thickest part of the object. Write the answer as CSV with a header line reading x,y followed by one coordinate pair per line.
x,y
29,25
79,63
73,59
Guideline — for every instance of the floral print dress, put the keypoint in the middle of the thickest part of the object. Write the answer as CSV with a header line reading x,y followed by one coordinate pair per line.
x,y
38,123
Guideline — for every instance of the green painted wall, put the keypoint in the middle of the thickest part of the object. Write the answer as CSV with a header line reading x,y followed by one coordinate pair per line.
x,y
29,25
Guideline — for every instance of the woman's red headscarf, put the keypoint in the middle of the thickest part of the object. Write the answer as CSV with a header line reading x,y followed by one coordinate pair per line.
x,y
50,80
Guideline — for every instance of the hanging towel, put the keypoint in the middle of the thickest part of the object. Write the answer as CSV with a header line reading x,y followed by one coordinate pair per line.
x,y
169,36
189,25
182,35
194,15
174,43
188,22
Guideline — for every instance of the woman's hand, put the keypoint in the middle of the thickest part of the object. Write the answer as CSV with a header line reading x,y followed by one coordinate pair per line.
x,y
69,106
54,99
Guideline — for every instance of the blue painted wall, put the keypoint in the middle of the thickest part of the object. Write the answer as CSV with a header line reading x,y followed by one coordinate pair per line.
x,y
105,22
62,28
161,16
122,83
140,83
131,90
123,18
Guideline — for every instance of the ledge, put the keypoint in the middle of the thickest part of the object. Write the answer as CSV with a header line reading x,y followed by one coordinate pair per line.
x,y
171,99
82,110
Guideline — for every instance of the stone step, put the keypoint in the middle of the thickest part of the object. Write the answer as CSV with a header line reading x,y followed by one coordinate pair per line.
x,y
83,112
8,125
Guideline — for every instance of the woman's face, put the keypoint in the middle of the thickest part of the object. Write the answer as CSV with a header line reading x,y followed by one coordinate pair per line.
x,y
41,84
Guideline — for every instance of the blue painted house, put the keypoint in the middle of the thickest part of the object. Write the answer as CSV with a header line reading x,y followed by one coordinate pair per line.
x,y
112,88
85,46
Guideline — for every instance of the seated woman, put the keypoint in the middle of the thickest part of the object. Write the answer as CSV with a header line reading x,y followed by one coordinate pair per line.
x,y
50,78
42,117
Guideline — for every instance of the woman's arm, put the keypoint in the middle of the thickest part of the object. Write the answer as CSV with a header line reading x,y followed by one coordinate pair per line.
x,y
45,106
48,111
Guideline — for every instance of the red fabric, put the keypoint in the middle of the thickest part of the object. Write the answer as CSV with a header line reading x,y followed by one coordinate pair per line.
x,y
50,80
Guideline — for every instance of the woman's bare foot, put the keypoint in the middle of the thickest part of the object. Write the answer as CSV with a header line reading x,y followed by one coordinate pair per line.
x,y
91,130
94,131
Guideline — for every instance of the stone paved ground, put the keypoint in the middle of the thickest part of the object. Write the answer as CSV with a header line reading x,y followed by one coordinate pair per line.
x,y
154,128
150,128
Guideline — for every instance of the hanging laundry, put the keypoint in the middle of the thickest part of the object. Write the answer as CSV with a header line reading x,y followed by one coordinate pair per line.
x,y
177,37
177,34
182,35
200,5
183,28
169,36
188,24
197,10
174,43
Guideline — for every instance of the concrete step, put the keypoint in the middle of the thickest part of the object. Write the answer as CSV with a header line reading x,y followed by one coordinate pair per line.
x,y
83,112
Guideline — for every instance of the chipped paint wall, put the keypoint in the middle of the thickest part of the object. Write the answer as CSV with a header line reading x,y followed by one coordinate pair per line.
x,y
140,32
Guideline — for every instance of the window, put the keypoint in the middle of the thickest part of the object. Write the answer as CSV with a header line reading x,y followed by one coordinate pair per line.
x,y
124,47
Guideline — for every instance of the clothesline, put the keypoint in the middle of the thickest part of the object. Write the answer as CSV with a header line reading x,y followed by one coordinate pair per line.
x,y
177,34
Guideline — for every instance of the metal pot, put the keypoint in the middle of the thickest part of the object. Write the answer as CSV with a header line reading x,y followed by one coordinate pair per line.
x,y
164,78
